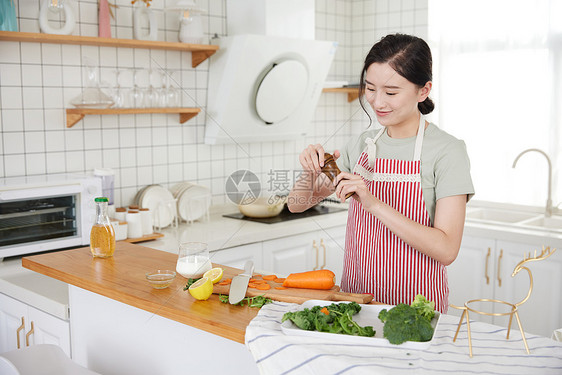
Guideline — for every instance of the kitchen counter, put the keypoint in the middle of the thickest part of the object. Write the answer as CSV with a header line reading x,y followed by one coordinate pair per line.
x,y
219,232
122,278
44,293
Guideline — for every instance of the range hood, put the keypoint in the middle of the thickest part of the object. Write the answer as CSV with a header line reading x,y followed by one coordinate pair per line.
x,y
264,88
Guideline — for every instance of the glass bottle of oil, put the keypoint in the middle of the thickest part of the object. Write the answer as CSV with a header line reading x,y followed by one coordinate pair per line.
x,y
102,236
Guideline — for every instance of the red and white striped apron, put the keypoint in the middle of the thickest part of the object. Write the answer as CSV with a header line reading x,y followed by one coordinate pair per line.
x,y
376,261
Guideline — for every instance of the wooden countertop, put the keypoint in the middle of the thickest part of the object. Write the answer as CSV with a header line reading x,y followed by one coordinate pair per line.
x,y
122,278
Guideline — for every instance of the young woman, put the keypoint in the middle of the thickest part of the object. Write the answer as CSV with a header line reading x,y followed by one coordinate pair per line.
x,y
410,183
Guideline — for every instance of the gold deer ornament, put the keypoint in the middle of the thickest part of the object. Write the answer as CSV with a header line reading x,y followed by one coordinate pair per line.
x,y
545,253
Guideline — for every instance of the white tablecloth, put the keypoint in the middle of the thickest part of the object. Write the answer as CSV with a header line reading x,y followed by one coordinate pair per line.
x,y
277,353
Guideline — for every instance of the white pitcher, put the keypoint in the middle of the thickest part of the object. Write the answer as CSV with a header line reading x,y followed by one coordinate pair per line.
x,y
56,6
138,14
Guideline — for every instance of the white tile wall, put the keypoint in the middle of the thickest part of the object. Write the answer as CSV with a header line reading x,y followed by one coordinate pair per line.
x,y
38,80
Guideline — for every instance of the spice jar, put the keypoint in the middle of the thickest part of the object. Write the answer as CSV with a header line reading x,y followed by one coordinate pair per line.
x,y
120,213
134,224
102,236
146,220
331,170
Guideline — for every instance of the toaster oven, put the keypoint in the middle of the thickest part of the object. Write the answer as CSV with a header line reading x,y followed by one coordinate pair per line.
x,y
47,212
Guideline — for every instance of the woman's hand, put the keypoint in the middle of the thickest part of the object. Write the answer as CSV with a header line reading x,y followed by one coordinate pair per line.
x,y
352,183
312,158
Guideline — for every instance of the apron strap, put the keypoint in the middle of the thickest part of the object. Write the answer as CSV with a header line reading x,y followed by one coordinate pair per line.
x,y
372,147
419,138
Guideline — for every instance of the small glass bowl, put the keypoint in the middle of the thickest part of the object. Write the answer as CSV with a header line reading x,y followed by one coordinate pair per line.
x,y
160,279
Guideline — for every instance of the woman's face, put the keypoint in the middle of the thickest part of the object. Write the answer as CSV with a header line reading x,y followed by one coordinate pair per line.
x,y
393,98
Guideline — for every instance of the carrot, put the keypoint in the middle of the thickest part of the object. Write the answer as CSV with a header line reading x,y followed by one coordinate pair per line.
x,y
225,282
252,285
260,282
325,311
253,280
319,279
269,277
256,276
280,288
279,280
263,286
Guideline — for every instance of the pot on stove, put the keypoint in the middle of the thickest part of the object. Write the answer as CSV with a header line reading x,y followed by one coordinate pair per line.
x,y
264,207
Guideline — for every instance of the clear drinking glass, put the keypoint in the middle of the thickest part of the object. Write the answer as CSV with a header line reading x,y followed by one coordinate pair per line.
x,y
117,91
163,92
193,260
173,92
138,92
154,80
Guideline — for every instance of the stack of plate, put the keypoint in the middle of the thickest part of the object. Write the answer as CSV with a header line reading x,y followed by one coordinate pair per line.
x,y
193,200
160,201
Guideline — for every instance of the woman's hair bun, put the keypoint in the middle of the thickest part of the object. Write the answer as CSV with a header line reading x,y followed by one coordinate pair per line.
x,y
427,106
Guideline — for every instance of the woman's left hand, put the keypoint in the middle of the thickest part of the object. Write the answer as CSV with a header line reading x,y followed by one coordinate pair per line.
x,y
352,183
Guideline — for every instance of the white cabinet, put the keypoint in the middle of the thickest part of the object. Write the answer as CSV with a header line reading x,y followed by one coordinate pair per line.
x,y
306,252
237,256
287,255
542,312
483,270
13,321
471,275
27,325
334,245
111,337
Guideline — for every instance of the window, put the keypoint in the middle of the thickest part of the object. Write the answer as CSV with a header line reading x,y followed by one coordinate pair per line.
x,y
498,85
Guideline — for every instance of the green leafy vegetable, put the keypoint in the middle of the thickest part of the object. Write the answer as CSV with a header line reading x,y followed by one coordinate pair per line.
x,y
408,322
189,282
257,301
337,320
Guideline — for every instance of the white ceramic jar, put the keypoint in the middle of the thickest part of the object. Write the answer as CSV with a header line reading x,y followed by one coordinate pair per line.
x,y
120,214
146,219
134,224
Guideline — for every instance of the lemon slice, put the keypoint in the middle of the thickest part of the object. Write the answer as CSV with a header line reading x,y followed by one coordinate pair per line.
x,y
215,274
201,289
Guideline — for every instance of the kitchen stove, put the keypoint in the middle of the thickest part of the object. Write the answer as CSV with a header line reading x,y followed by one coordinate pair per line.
x,y
286,215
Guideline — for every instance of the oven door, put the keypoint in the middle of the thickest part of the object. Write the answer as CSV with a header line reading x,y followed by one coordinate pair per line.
x,y
32,221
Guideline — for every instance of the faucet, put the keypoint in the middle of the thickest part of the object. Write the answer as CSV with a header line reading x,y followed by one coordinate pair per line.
x,y
548,208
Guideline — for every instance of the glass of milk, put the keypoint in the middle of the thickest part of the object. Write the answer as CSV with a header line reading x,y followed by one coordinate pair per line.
x,y
193,260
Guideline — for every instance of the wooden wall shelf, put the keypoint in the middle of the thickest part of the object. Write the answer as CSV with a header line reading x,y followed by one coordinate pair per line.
x,y
352,92
73,115
199,52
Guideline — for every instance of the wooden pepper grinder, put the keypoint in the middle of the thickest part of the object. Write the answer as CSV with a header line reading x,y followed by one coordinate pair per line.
x,y
331,170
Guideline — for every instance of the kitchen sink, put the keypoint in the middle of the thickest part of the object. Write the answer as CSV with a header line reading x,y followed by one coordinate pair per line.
x,y
543,222
497,216
514,218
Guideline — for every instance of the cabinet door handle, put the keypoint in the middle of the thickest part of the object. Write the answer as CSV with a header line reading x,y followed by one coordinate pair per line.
x,y
499,268
324,253
19,330
315,247
29,334
487,258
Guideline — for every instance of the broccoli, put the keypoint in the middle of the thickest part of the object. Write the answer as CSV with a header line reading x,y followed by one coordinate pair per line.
x,y
425,307
408,322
